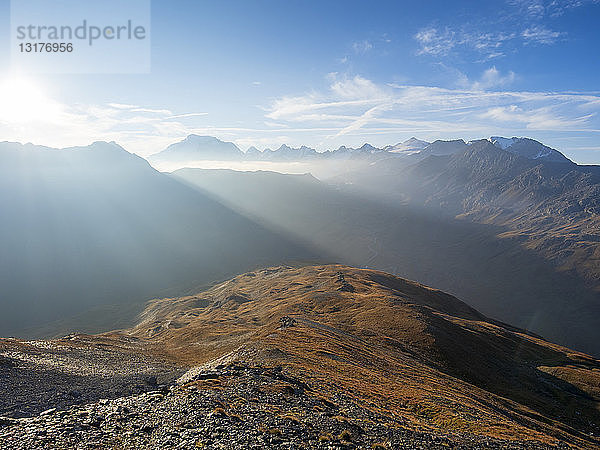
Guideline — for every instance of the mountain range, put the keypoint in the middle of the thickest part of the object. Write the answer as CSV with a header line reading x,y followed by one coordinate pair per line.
x,y
199,148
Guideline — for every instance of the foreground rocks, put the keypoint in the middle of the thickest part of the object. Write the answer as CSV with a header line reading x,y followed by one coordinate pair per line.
x,y
36,376
230,407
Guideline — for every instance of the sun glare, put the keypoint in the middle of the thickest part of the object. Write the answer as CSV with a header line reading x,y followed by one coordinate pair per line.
x,y
24,101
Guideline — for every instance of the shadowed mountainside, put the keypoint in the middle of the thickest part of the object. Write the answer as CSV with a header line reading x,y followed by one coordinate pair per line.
x,y
497,276
554,207
86,228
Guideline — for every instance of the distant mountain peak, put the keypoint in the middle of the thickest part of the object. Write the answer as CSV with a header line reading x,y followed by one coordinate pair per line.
x,y
529,148
442,148
195,147
415,141
284,152
502,142
407,147
112,145
366,147
201,138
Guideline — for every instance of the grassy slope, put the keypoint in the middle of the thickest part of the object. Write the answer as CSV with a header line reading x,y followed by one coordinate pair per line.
x,y
394,345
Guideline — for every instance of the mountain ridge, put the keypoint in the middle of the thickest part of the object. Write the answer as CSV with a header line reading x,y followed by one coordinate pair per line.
x,y
195,147
325,354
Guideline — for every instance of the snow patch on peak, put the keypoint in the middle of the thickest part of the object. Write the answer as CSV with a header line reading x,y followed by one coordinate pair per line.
x,y
529,148
502,142
410,146
543,153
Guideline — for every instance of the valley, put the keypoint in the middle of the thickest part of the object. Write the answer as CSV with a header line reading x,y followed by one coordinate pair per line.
x,y
476,262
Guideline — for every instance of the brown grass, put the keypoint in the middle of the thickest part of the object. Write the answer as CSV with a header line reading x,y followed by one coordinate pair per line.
x,y
414,354
345,436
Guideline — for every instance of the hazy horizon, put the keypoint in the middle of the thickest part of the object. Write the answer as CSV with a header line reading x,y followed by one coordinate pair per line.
x,y
508,68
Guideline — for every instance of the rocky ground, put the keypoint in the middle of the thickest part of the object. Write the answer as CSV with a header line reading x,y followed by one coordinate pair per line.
x,y
233,407
39,375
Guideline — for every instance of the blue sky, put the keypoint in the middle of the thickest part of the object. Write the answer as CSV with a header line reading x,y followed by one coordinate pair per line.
x,y
329,73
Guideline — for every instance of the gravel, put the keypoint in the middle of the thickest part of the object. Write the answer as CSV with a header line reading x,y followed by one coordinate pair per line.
x,y
230,406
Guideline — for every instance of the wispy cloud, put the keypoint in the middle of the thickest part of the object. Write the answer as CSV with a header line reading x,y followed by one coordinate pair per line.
x,y
490,78
362,47
356,88
359,107
434,41
443,41
535,8
542,118
551,8
521,24
186,115
539,34
122,106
